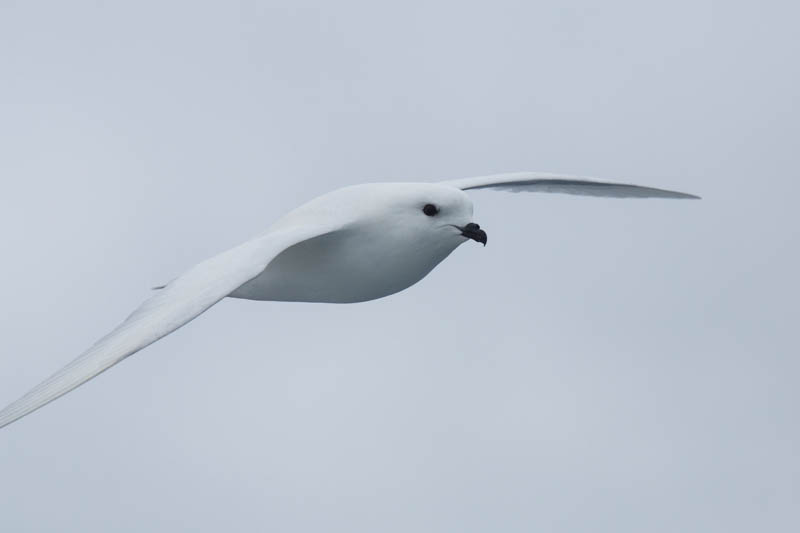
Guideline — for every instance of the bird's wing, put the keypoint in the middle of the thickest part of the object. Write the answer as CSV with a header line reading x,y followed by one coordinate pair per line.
x,y
559,183
177,303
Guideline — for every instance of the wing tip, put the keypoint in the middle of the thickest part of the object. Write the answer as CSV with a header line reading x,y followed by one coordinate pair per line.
x,y
682,195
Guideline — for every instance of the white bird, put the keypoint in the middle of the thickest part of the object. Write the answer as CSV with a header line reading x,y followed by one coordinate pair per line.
x,y
354,244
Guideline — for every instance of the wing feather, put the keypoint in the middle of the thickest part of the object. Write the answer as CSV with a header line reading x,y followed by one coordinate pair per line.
x,y
562,183
179,302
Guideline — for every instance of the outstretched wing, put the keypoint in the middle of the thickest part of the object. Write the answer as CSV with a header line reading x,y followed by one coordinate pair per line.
x,y
559,183
177,303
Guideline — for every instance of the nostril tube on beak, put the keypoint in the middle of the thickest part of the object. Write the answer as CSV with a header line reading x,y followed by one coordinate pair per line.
x,y
473,231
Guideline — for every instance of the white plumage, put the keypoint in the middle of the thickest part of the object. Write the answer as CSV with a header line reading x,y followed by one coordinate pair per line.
x,y
351,245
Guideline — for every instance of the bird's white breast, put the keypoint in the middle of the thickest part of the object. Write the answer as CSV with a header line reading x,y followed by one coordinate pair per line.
x,y
346,266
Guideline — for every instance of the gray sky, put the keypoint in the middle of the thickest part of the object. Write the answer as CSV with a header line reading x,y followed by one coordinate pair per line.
x,y
621,366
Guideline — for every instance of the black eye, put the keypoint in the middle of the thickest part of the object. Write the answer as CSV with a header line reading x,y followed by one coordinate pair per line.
x,y
430,210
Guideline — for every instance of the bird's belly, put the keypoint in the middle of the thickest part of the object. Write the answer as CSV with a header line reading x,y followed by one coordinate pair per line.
x,y
336,268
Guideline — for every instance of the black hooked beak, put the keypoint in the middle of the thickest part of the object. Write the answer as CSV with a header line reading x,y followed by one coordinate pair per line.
x,y
473,231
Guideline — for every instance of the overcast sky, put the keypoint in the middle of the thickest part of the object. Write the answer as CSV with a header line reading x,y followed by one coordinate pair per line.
x,y
602,365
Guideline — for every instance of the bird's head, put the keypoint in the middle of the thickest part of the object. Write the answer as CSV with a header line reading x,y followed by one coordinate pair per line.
x,y
430,214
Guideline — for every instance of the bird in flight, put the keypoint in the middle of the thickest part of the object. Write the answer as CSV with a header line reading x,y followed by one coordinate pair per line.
x,y
354,244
